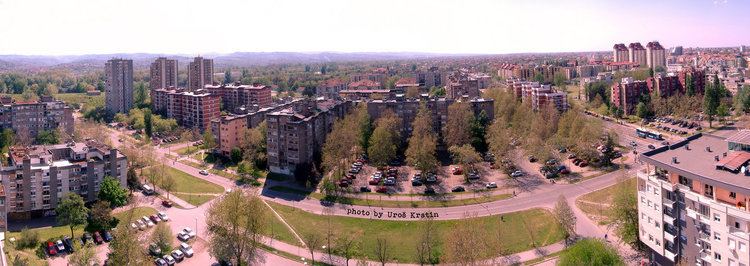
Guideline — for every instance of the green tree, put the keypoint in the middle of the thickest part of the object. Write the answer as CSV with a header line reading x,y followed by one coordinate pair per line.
x,y
148,123
559,80
140,95
72,211
209,142
625,216
479,131
162,237
538,77
382,147
466,156
132,178
46,137
690,90
101,215
84,256
422,143
111,191
236,223
125,246
593,252
711,100
227,77
365,127
6,138
642,110
236,155
457,129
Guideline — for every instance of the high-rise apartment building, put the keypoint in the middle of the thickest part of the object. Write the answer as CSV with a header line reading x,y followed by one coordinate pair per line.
x,y
693,201
200,73
429,78
163,73
119,85
656,56
38,177
620,53
637,54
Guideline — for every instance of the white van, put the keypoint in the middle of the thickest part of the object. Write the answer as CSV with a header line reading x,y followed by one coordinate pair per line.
x,y
147,190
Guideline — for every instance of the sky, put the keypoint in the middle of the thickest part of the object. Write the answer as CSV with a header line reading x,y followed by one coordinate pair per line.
x,y
74,27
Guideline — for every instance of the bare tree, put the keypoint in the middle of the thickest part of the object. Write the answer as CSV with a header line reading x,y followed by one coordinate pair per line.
x,y
428,239
565,216
382,252
347,247
167,184
329,238
465,244
312,240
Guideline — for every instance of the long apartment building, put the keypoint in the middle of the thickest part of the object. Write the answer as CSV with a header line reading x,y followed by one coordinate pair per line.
x,y
236,96
406,110
462,83
36,178
200,73
119,85
27,119
295,134
163,74
193,109
626,94
228,129
693,201
538,95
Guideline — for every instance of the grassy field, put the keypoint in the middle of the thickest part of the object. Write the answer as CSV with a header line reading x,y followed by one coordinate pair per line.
x,y
187,150
376,200
519,231
597,204
194,199
186,183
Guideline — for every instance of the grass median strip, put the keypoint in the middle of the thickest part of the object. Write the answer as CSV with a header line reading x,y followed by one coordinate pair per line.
x,y
597,204
376,200
187,183
403,235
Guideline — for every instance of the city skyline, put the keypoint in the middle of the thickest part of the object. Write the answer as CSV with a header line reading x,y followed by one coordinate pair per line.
x,y
451,27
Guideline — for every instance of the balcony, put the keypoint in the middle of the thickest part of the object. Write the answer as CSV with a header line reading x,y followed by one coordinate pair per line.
x,y
671,235
705,256
670,255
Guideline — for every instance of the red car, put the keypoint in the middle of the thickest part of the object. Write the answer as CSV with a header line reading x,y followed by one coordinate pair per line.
x,y
382,189
343,183
456,170
51,248
374,182
583,164
98,238
166,203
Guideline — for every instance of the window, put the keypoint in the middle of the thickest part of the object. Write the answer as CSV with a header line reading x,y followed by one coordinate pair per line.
x,y
657,225
717,236
643,199
686,181
737,225
649,203
717,217
717,256
742,245
650,238
733,195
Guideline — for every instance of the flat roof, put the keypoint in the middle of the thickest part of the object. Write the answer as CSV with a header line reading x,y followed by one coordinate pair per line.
x,y
696,159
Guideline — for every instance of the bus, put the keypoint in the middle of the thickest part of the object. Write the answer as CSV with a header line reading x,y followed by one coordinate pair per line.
x,y
645,133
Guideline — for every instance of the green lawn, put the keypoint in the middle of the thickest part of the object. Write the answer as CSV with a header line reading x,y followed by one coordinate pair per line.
x,y
187,150
519,231
597,203
196,200
187,183
380,200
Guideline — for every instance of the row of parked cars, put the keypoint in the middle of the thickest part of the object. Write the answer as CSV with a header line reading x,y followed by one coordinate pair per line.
x,y
66,246
149,221
178,255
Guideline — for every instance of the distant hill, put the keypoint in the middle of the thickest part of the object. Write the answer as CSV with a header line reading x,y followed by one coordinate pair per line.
x,y
238,59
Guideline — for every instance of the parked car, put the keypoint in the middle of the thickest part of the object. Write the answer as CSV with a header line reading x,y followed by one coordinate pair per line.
x,y
98,238
473,175
154,249
651,146
517,173
106,235
491,185
431,178
458,189
416,182
583,164
163,216
572,156
133,226
69,244
154,218
390,181
178,255
374,182
343,183
456,170
86,238
160,262
51,250
60,246
381,189
170,260
532,159
166,203
187,249
365,189
147,221
203,172
429,191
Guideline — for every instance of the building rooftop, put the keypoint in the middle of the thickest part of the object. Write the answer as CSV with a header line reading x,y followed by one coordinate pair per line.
x,y
705,157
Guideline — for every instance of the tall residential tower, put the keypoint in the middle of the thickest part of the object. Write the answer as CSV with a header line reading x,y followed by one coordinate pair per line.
x,y
119,85
200,73
163,73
